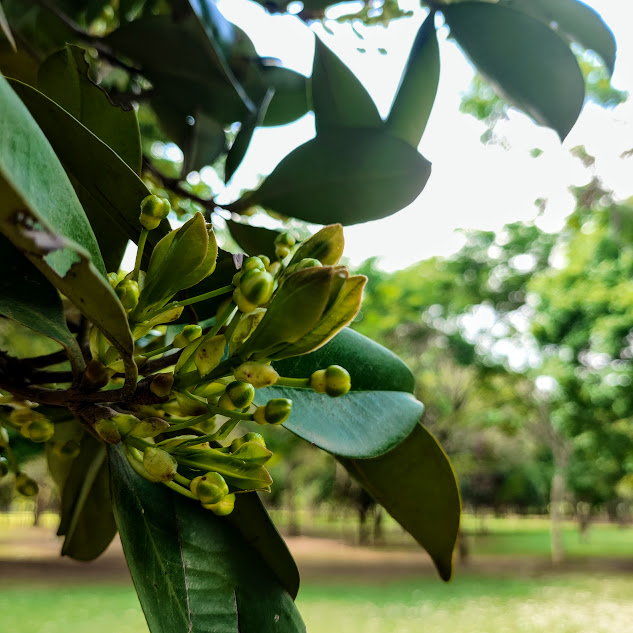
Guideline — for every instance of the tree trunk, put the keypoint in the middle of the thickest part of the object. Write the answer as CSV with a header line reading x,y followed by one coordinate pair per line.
x,y
557,498
379,534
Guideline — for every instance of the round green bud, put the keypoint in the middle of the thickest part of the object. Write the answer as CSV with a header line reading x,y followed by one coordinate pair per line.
x,y
4,466
125,422
25,485
257,286
243,305
161,384
153,210
223,507
210,488
275,411
159,463
257,374
108,430
150,427
258,438
240,393
253,263
96,375
265,260
274,268
67,450
226,403
189,333
283,244
38,431
4,437
335,381
23,415
113,280
128,292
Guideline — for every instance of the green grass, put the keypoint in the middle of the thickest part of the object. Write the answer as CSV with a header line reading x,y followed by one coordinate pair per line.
x,y
572,604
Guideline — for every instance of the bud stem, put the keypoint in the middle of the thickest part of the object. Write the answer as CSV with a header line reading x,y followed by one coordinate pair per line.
x,y
203,297
283,381
137,442
183,481
139,253
156,352
180,490
191,422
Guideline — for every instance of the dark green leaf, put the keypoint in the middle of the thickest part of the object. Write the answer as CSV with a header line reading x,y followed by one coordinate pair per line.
x,y
18,65
194,571
109,190
374,417
253,240
339,99
414,100
347,175
28,297
87,519
416,484
40,214
243,139
529,64
60,465
63,77
290,100
202,142
6,29
574,20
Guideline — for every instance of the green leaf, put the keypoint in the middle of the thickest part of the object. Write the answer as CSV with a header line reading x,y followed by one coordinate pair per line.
x,y
6,29
529,64
253,240
28,297
414,99
574,20
347,175
290,99
202,143
64,78
243,139
41,215
374,417
110,192
416,484
339,99
193,571
87,519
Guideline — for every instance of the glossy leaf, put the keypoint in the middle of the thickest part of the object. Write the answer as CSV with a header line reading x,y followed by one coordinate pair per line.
x,y
415,483
6,29
193,571
290,98
63,77
574,20
414,99
110,192
372,419
339,99
202,143
87,519
28,297
253,240
347,175
529,63
41,215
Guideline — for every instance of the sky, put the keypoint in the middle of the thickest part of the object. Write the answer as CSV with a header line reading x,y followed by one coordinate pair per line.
x,y
472,185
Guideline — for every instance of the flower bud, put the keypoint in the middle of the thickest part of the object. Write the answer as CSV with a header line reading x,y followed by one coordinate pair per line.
x,y
283,244
125,422
189,333
190,406
247,323
335,381
209,488
252,452
257,287
113,280
159,463
223,507
240,393
96,375
161,384
38,431
249,437
4,437
274,268
265,260
25,485
67,450
153,210
275,411
128,293
307,262
325,245
107,430
243,305
257,374
23,415
209,354
253,263
4,466
149,427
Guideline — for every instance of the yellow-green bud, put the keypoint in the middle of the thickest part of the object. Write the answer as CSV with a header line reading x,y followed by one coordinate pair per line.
x,y
223,507
128,293
25,485
108,430
159,463
125,422
274,268
240,393
265,260
189,333
257,374
257,287
153,210
190,406
4,466
249,437
210,488
283,244
161,384
149,427
253,263
23,415
302,264
38,431
4,437
209,354
275,411
113,280
335,381
243,305
67,450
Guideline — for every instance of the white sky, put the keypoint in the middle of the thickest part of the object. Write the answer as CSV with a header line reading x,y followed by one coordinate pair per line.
x,y
472,185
